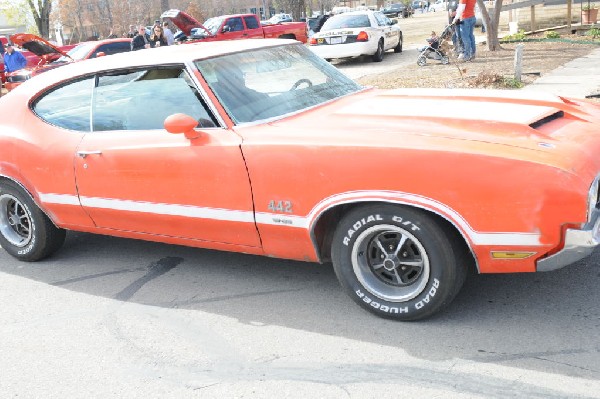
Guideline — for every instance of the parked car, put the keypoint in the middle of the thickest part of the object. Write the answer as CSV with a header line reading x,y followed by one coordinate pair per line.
x,y
53,56
279,18
438,5
233,27
355,34
398,10
419,5
261,147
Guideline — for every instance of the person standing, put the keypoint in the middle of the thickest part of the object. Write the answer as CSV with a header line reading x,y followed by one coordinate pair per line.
x,y
168,34
140,41
465,13
132,32
13,60
157,38
456,41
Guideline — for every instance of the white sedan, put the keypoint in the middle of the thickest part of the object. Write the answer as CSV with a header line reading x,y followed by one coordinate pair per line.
x,y
357,33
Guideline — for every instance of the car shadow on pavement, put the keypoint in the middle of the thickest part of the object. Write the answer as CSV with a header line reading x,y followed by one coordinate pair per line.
x,y
531,320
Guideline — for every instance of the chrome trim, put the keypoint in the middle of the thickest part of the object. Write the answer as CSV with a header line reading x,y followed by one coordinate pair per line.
x,y
190,68
593,197
579,243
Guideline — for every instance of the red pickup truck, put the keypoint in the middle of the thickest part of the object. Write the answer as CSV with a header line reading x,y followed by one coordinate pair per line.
x,y
232,27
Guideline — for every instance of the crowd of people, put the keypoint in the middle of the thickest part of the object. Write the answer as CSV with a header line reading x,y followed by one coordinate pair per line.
x,y
160,35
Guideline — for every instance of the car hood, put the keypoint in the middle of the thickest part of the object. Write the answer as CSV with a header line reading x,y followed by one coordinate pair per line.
x,y
183,21
531,126
35,44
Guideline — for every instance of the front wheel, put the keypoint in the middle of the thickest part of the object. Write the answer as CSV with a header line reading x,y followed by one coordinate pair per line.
x,y
397,262
422,60
398,48
25,231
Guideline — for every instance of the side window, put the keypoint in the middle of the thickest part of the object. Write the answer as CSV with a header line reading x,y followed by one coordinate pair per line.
x,y
112,48
381,19
251,22
68,106
142,100
235,24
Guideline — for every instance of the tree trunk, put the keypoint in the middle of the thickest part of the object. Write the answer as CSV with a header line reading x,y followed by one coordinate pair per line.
x,y
492,23
164,5
41,16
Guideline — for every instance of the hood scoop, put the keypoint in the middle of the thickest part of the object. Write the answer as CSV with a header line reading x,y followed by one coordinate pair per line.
x,y
547,119
454,109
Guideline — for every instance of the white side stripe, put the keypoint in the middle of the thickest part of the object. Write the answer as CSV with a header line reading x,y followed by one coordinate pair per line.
x,y
301,222
63,199
169,209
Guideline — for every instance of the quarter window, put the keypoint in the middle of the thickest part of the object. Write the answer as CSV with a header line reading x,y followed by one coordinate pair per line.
x,y
67,106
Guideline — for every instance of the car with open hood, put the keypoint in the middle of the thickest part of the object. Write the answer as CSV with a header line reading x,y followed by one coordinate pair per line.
x,y
233,27
262,147
52,56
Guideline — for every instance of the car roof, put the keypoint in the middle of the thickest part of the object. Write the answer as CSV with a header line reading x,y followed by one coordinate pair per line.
x,y
356,12
176,54
104,41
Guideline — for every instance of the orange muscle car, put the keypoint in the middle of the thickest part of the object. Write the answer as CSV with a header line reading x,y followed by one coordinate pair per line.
x,y
261,147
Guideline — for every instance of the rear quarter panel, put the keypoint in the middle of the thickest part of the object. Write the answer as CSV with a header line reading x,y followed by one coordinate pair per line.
x,y
298,29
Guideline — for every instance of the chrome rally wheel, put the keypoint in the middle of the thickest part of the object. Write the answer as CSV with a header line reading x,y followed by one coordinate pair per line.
x,y
15,221
390,263
25,231
398,262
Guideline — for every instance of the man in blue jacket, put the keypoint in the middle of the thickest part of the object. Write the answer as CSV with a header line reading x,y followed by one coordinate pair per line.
x,y
13,60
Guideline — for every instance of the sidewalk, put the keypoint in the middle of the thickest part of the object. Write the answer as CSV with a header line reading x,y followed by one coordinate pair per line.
x,y
577,78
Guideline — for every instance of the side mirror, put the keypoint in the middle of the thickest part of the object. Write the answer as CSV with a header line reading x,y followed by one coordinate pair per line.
x,y
226,29
393,21
100,54
182,123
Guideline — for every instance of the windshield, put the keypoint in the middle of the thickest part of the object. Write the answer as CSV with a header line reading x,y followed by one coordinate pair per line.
x,y
272,82
342,21
212,25
77,53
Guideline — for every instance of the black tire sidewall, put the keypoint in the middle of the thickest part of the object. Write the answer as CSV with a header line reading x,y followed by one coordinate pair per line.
x,y
36,246
441,285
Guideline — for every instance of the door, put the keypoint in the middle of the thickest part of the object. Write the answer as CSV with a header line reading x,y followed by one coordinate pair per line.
x,y
253,28
233,29
133,175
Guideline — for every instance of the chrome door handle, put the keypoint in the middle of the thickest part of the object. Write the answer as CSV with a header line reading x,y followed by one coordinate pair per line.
x,y
84,154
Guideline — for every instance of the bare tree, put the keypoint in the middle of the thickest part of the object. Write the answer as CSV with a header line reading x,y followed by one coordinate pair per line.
x,y
492,23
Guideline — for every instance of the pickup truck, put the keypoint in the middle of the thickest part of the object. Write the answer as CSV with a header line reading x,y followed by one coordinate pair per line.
x,y
232,27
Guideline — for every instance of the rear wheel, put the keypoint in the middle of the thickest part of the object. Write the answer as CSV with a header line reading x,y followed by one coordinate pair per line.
x,y
378,56
422,60
445,60
397,262
25,231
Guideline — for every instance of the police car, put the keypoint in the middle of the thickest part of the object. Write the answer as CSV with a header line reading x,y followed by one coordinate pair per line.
x,y
357,33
